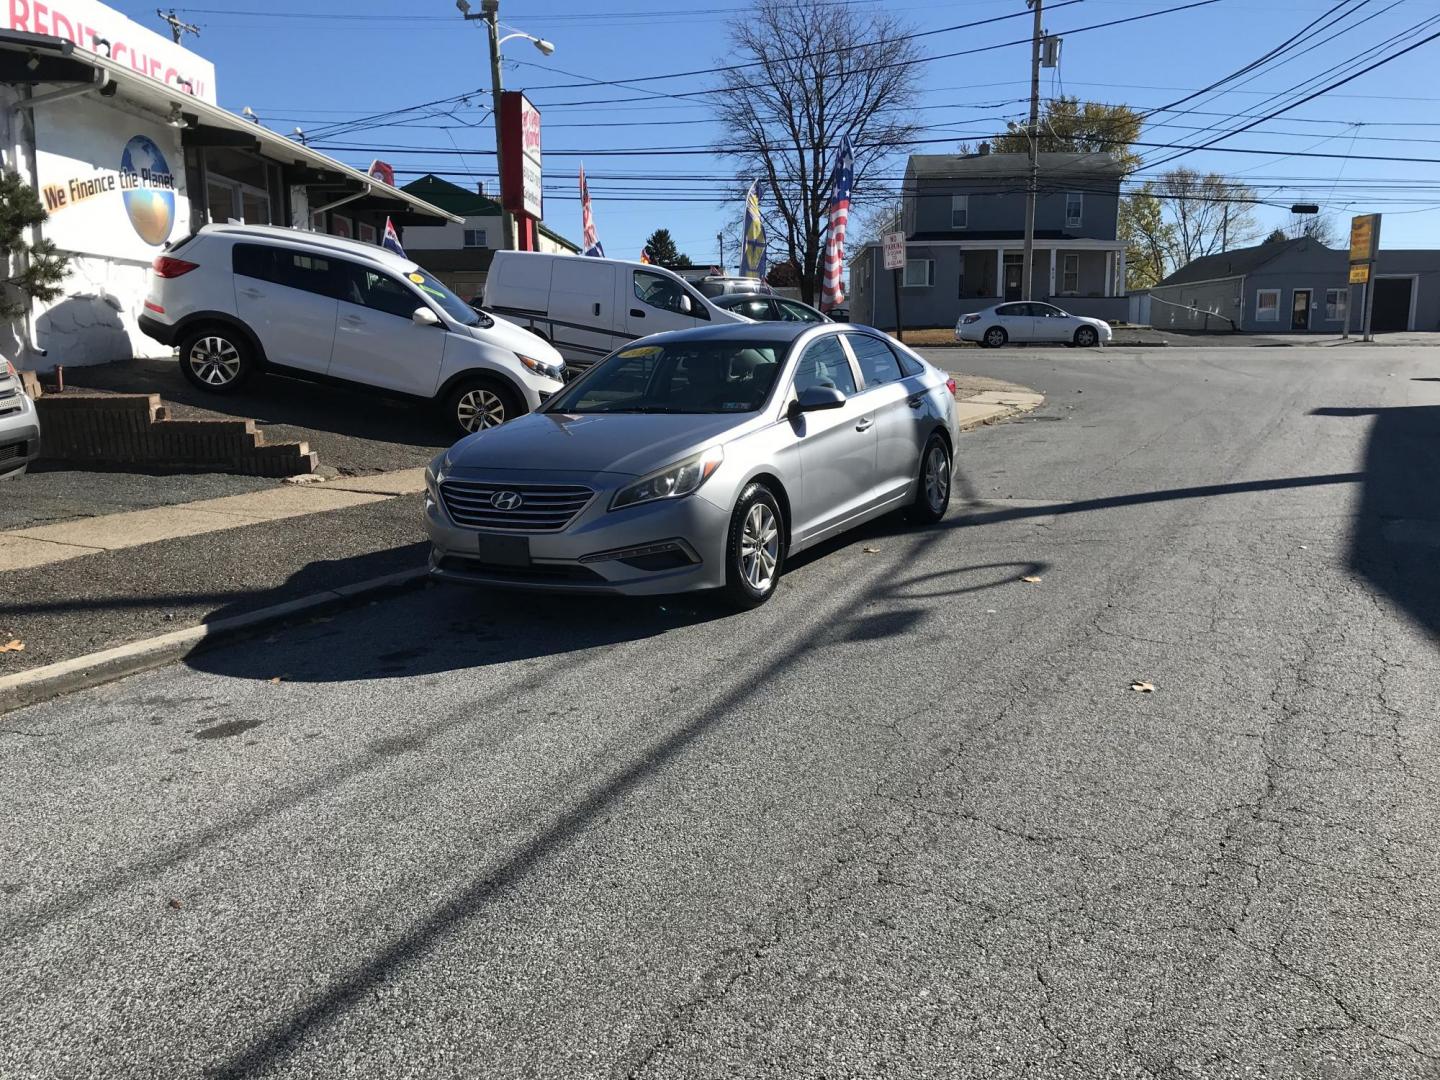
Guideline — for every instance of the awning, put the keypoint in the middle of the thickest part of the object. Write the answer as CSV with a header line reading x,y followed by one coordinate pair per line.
x,y
35,58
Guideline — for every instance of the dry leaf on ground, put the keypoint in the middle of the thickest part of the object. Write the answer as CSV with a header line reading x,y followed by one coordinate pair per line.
x,y
275,679
13,645
872,551
1143,687
1032,579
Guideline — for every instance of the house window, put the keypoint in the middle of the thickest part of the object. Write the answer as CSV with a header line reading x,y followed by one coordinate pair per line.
x,y
1267,305
1070,277
1336,302
919,273
959,211
960,279
475,238
1074,209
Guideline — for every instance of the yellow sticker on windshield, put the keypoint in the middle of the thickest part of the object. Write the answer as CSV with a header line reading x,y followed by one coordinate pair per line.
x,y
418,279
646,350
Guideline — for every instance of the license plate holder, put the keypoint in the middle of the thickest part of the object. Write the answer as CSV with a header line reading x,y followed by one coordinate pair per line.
x,y
497,550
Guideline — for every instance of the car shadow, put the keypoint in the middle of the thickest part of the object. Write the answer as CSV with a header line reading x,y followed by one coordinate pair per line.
x,y
1395,540
275,401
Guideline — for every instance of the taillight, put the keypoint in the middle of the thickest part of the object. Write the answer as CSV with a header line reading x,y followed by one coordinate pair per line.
x,y
168,267
950,385
969,319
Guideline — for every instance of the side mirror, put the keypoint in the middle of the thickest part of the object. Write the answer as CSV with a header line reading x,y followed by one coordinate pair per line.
x,y
423,316
685,305
817,399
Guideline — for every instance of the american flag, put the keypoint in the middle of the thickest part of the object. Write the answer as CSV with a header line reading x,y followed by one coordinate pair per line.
x,y
587,220
832,292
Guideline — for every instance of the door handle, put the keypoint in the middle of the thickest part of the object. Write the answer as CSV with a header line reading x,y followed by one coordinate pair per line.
x,y
253,294
636,313
353,320
916,401
864,424
597,309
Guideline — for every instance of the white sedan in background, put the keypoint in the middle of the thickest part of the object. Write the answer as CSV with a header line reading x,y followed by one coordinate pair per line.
x,y
1030,322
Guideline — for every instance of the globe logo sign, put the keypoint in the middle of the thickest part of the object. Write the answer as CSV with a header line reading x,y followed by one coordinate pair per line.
x,y
148,188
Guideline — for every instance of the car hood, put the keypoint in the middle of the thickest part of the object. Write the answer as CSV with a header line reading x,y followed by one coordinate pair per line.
x,y
627,443
507,335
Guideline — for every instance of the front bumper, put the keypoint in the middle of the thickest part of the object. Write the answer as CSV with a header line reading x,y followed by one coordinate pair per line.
x,y
599,552
19,439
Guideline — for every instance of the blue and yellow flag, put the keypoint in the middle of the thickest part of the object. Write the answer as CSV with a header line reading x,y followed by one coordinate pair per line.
x,y
752,243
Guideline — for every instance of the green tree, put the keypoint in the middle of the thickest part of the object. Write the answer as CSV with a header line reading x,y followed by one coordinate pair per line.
x,y
1277,236
784,275
1147,238
1068,126
663,251
36,270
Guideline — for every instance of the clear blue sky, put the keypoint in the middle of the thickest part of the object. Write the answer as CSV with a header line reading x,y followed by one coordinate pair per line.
x,y
323,63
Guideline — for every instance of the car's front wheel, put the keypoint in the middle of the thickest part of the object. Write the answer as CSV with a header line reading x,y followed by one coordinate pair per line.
x,y
932,492
476,404
995,337
755,548
216,359
1086,337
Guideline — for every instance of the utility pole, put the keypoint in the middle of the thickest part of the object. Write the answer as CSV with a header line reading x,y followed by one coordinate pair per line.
x,y
178,27
490,16
1032,189
720,239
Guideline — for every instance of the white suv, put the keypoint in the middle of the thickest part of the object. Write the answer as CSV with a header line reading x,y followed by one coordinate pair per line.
x,y
240,298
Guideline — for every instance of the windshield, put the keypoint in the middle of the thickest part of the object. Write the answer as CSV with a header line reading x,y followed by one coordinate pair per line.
x,y
686,377
456,308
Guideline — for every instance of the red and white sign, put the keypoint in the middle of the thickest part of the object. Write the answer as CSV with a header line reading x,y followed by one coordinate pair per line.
x,y
89,25
894,251
520,145
382,171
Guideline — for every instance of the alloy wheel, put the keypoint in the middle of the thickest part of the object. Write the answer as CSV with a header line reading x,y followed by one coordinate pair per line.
x,y
215,361
759,547
995,338
937,478
480,409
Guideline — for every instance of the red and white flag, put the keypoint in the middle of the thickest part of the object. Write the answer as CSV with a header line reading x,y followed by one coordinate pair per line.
x,y
832,292
588,239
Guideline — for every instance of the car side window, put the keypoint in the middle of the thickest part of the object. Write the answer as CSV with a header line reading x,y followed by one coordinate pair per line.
x,y
791,312
1012,309
877,363
824,363
377,291
284,266
659,291
755,309
908,364
1045,311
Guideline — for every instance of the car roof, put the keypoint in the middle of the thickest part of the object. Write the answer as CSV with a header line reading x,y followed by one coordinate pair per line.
x,y
732,297
356,249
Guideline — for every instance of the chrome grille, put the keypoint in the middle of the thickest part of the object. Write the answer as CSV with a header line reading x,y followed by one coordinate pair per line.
x,y
542,507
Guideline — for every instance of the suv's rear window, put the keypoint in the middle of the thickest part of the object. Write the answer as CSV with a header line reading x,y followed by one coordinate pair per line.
x,y
286,266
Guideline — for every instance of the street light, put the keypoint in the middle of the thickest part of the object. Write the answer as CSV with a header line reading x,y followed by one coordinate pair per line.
x,y
490,16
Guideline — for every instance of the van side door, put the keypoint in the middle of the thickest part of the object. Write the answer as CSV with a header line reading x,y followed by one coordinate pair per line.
x,y
658,302
582,310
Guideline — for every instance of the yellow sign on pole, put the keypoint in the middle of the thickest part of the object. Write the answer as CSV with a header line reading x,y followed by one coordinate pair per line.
x,y
1362,237
1359,273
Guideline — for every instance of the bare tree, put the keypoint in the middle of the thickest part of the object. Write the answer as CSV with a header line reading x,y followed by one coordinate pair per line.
x,y
1204,213
820,71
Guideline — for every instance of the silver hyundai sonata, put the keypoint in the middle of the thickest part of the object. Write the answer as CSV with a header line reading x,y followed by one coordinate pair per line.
x,y
700,459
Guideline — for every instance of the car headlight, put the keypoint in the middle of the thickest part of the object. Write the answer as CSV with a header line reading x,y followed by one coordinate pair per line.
x,y
674,482
541,367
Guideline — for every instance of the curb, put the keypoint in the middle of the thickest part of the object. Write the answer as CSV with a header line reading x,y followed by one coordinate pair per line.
x,y
54,680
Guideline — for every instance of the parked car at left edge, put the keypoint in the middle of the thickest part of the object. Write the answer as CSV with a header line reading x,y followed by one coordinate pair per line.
x,y
19,424
1027,322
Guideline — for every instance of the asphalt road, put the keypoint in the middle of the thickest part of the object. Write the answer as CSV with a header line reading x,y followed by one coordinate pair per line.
x,y
907,820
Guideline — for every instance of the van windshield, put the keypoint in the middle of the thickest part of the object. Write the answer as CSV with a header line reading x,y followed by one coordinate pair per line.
x,y
456,308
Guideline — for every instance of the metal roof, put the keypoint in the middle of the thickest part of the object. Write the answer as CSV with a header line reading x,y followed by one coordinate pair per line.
x,y
955,166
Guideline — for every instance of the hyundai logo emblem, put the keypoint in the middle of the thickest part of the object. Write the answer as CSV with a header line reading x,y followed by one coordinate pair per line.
x,y
506,500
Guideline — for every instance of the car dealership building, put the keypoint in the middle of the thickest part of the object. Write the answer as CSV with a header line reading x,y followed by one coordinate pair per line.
x,y
118,130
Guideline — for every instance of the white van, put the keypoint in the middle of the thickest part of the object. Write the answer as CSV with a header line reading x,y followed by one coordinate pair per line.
x,y
588,307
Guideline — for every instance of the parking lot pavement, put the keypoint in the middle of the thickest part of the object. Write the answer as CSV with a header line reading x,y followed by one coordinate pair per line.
x,y
909,819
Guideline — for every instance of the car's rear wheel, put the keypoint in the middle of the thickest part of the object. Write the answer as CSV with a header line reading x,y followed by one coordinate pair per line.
x,y
932,491
994,338
755,548
476,404
1086,337
216,359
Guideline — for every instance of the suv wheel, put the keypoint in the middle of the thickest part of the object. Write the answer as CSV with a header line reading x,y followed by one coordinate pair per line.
x,y
477,404
755,548
216,359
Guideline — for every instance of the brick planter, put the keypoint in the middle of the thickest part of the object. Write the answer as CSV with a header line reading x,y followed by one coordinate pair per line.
x,y
135,429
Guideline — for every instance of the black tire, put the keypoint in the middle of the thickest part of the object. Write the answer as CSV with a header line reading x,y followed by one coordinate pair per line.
x,y
217,359
477,403
994,337
932,486
757,516
1087,337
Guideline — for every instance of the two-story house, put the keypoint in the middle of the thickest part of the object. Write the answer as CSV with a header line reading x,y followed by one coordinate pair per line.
x,y
459,253
963,216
